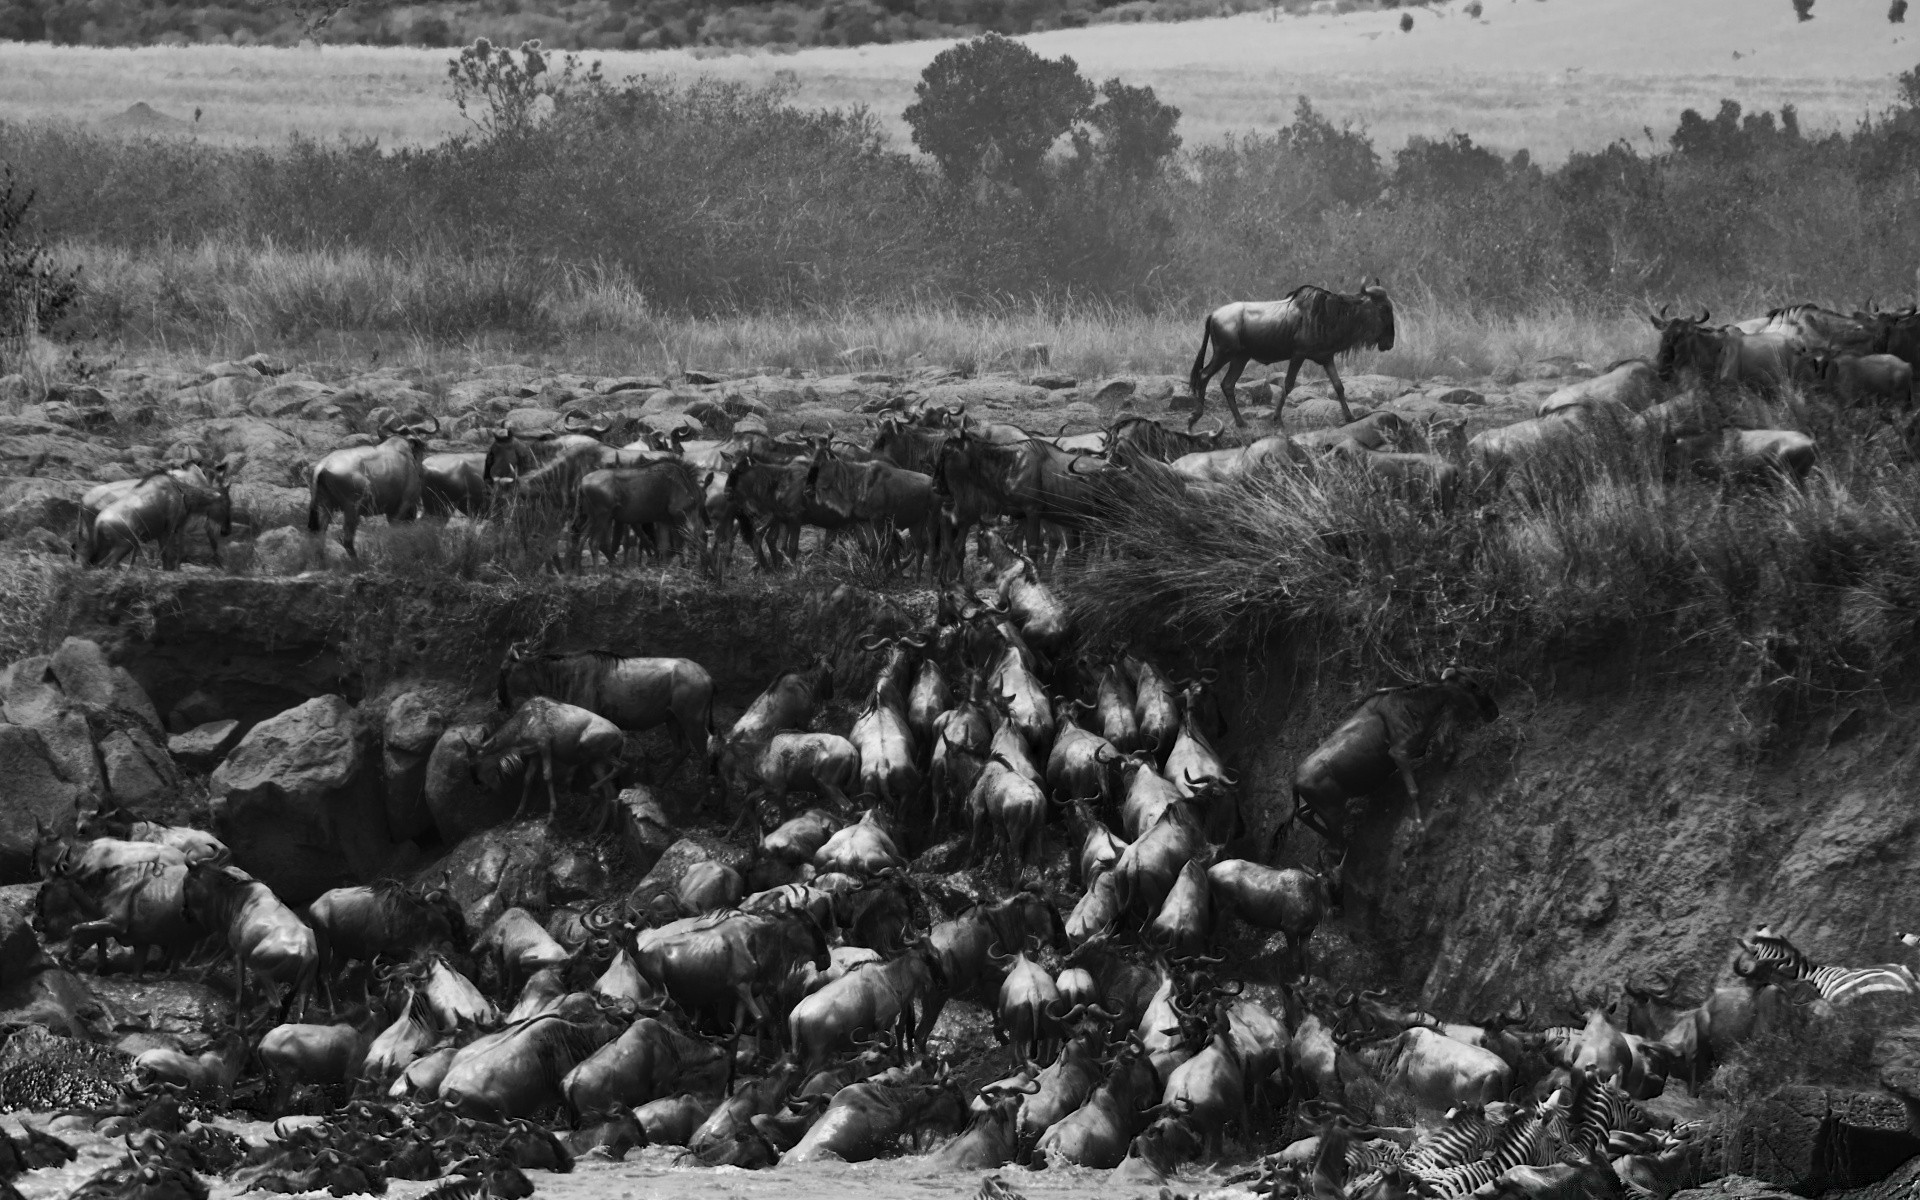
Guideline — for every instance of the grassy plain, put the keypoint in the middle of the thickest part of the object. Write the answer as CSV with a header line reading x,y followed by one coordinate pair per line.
x,y
1546,75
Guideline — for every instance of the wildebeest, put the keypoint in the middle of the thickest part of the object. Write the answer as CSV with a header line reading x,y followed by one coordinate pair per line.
x,y
636,694
871,999
1437,1072
362,923
156,510
1863,378
889,499
553,736
367,480
454,482
650,1061
1629,385
1134,439
545,466
1288,899
139,905
1762,361
667,497
1388,733
518,1070
1376,431
1815,328
788,703
1753,455
1239,462
1426,477
1311,324
267,938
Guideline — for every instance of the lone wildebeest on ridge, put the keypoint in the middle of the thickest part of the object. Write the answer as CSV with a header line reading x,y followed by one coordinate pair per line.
x,y
1311,324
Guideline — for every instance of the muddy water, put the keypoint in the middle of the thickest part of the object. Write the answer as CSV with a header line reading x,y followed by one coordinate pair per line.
x,y
651,1173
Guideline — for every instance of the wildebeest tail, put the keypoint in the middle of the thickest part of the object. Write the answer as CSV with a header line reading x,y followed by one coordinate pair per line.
x,y
1197,380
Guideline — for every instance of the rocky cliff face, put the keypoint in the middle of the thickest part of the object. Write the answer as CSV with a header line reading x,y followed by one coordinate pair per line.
x,y
1610,822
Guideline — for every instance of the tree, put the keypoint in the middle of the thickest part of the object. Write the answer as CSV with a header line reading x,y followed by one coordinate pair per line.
x,y
314,15
1897,12
992,107
501,94
1803,9
1135,129
1406,22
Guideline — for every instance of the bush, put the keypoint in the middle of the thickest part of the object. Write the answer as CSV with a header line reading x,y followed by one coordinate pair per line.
x,y
992,107
34,292
1136,131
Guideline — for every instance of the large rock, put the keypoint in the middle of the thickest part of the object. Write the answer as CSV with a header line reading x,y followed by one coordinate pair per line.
x,y
299,801
654,894
30,447
987,393
644,826
87,678
289,551
33,698
1810,1140
201,748
270,454
172,1006
459,805
36,790
20,954
287,398
33,503
414,725
133,778
501,868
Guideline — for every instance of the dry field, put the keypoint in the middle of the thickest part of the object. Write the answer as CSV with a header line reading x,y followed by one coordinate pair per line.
x,y
1547,75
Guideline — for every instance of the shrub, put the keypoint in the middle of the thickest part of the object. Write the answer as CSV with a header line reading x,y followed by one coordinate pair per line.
x,y
1897,12
34,292
993,107
501,94
1803,9
1136,131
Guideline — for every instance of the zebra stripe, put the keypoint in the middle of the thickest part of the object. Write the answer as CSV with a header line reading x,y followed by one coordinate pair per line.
x,y
1457,1181
1460,1141
1836,985
1371,1156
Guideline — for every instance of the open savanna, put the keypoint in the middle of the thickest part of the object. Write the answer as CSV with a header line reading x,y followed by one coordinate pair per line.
x,y
1549,76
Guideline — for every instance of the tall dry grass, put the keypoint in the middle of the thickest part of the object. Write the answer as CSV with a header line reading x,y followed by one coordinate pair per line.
x,y
1806,593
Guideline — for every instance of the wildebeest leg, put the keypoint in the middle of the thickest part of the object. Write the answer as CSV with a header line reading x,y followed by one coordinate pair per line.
x,y
1339,391
349,525
1404,760
1227,381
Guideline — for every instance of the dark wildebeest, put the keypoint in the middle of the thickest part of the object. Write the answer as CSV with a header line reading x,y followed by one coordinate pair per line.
x,y
1388,733
362,923
1311,324
364,480
156,510
637,694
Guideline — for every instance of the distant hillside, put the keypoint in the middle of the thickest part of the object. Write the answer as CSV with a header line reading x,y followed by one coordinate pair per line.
x,y
598,24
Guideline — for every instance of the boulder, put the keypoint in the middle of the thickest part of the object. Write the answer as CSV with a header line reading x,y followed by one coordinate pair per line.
x,y
644,826
703,378
628,383
175,1006
60,412
269,454
655,892
458,804
132,779
299,801
35,448
20,955
1113,392
286,398
201,748
38,792
265,364
414,725
524,421
291,551
231,394
497,869
263,506
231,370
1054,382
573,874
1456,395
33,699
86,677
33,503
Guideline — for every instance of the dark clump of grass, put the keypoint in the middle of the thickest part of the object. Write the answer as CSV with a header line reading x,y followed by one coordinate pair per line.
x,y
1802,592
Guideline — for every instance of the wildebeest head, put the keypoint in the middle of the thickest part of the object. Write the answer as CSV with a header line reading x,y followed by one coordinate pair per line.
x,y
1466,687
60,905
508,457
1687,343
415,432
1379,310
579,421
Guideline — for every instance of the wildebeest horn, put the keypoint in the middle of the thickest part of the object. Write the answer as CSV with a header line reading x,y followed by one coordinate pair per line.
x,y
428,429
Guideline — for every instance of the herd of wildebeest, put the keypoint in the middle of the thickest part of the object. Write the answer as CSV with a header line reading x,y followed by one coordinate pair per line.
x,y
784,1009
1713,400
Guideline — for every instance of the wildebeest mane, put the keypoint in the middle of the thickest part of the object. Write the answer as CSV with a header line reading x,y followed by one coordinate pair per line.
x,y
1329,318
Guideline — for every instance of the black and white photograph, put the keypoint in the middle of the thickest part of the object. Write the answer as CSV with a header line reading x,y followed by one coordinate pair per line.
x,y
976,599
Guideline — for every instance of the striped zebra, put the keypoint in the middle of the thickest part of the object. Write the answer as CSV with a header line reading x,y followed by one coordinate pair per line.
x,y
1461,1140
1601,1106
1836,985
1539,1139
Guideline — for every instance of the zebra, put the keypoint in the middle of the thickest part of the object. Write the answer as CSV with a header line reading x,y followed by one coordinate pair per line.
x,y
1537,1139
1461,1140
1836,985
1601,1106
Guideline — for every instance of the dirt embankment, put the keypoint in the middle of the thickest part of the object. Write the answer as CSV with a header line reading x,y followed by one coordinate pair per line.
x,y
1613,821
1625,820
